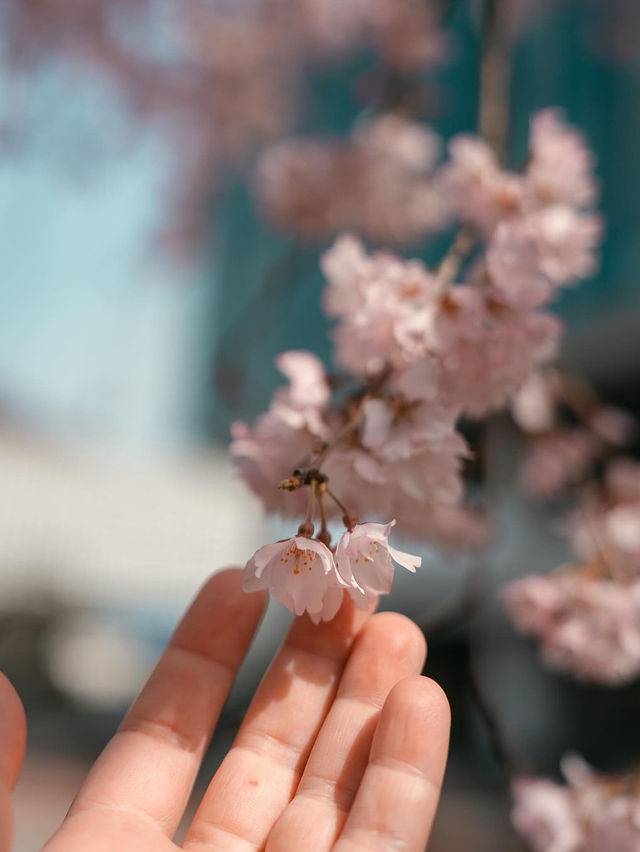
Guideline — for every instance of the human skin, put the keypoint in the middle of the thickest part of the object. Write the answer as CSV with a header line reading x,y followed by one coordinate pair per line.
x,y
342,748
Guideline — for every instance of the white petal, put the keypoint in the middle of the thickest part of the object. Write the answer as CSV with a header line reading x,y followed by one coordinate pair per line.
x,y
378,417
407,560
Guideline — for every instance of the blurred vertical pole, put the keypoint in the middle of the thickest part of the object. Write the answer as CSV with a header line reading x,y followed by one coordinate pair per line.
x,y
495,75
494,101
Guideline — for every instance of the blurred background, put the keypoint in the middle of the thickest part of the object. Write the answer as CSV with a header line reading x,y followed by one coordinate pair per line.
x,y
142,300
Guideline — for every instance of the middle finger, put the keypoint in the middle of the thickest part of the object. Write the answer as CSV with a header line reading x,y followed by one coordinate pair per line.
x,y
259,775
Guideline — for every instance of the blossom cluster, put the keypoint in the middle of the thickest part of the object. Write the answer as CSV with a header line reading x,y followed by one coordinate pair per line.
x,y
587,618
419,349
567,432
593,812
589,626
379,182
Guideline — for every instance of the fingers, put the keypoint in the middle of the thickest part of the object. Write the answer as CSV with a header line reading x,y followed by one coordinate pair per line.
x,y
150,765
389,648
397,798
13,736
260,774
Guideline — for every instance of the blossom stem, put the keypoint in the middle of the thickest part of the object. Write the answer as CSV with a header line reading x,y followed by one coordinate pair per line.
x,y
306,527
347,518
456,255
324,535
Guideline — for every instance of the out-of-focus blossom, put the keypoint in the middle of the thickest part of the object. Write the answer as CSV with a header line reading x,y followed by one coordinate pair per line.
x,y
609,520
364,560
544,814
406,33
399,428
219,77
560,167
392,313
425,490
528,257
301,403
567,242
533,406
286,434
482,193
386,308
378,182
591,813
515,266
301,573
613,425
487,350
557,459
587,626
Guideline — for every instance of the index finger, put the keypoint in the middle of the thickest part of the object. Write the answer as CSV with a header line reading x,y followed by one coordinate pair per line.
x,y
165,733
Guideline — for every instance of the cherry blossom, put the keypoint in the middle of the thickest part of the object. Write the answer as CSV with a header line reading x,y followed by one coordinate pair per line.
x,y
378,181
533,406
364,561
557,459
544,813
560,165
609,521
483,194
590,627
590,813
488,350
300,572
400,428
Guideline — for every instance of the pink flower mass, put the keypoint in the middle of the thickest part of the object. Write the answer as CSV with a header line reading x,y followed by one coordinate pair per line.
x,y
419,349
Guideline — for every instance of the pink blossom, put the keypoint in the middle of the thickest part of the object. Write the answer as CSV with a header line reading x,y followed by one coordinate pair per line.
x,y
483,194
301,573
485,351
400,428
378,181
406,33
514,265
567,242
608,522
558,459
364,561
533,406
560,165
544,814
598,639
590,627
591,813
424,490
285,435
613,425
534,603
266,453
386,308
412,145
623,479
301,404
347,268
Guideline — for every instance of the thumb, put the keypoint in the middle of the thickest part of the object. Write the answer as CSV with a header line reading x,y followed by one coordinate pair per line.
x,y
13,735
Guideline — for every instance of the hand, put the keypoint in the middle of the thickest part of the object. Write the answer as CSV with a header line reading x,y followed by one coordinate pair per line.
x,y
342,748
